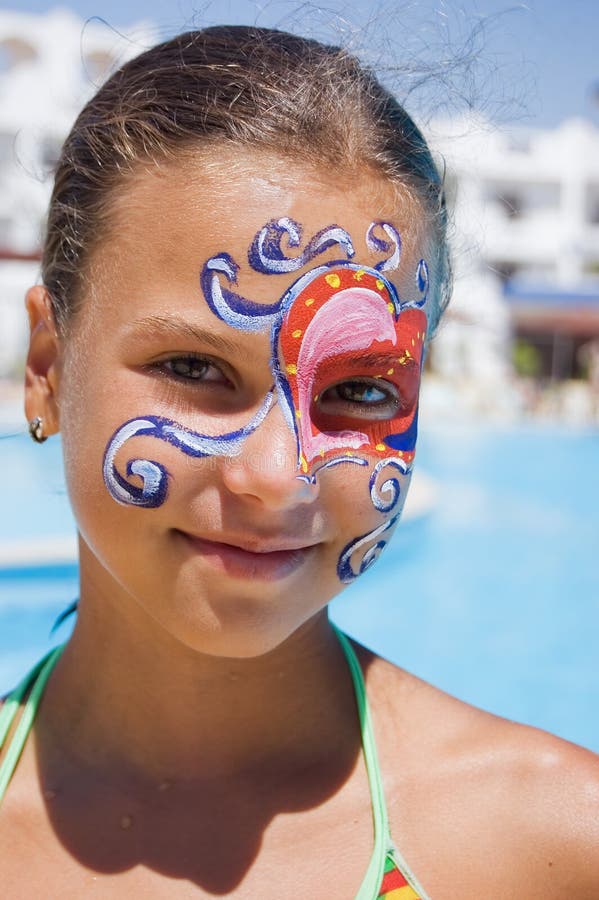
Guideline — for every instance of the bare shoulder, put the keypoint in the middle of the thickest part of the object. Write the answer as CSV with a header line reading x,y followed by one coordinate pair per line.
x,y
517,798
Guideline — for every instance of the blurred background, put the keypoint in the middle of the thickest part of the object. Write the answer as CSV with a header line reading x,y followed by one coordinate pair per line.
x,y
490,587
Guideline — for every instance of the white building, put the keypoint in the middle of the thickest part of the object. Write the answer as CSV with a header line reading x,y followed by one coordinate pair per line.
x,y
527,253
529,198
49,65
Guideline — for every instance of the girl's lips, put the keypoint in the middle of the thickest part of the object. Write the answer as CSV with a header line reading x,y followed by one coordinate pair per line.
x,y
241,563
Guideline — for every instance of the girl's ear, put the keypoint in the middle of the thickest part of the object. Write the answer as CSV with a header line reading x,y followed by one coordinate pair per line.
x,y
43,359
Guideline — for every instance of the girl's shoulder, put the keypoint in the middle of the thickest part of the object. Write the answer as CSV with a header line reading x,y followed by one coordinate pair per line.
x,y
518,807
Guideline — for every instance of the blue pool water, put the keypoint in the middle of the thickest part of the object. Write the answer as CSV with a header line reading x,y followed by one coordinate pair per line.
x,y
492,595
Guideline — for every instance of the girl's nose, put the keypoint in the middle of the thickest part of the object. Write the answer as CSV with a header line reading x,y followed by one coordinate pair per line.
x,y
267,469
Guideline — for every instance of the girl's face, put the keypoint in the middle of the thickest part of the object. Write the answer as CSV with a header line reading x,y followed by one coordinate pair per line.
x,y
238,397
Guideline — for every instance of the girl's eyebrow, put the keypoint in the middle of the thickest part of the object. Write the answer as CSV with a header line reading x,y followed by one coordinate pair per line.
x,y
175,326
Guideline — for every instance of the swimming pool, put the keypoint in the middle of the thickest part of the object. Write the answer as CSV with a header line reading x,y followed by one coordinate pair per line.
x,y
492,595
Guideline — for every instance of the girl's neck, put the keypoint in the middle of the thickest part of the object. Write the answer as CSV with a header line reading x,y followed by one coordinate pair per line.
x,y
139,704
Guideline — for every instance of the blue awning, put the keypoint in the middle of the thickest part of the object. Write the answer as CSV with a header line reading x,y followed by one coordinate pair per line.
x,y
526,293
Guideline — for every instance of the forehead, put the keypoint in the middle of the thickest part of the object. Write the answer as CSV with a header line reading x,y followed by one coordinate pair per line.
x,y
167,220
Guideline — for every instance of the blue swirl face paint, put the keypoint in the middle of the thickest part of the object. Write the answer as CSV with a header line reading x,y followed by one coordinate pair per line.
x,y
380,245
267,256
235,310
385,498
336,305
389,489
345,571
155,476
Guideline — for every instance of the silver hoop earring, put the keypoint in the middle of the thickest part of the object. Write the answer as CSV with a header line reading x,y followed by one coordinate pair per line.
x,y
36,430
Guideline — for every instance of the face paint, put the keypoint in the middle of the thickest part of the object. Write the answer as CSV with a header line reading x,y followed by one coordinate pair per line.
x,y
338,325
267,256
369,313
345,571
154,475
343,324
347,322
380,245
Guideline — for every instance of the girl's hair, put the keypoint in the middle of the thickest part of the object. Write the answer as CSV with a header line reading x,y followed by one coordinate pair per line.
x,y
243,86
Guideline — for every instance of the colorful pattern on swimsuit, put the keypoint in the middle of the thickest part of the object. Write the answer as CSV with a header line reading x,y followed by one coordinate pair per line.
x,y
395,886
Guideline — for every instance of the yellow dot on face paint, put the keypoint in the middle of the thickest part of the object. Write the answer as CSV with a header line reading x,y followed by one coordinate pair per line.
x,y
413,342
391,308
400,452
390,371
316,396
408,354
380,447
402,360
322,452
291,369
380,284
333,280
298,414
297,333
309,301
303,463
350,453
359,275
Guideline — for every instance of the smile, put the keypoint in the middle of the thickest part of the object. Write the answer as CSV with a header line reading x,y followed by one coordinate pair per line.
x,y
260,561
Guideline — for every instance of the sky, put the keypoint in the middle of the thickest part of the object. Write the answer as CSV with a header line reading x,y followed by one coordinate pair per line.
x,y
533,63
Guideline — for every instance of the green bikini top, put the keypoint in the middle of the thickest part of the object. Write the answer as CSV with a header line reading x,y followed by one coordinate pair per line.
x,y
387,876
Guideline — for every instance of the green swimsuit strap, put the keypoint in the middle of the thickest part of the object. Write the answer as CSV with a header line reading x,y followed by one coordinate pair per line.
x,y
34,682
384,848
383,845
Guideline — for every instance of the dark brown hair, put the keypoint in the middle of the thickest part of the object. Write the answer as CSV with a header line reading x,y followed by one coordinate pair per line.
x,y
246,86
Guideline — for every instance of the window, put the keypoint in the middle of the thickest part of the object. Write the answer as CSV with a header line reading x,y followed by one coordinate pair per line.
x,y
97,66
14,51
592,204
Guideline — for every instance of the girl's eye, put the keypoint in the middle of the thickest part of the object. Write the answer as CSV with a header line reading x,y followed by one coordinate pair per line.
x,y
362,399
358,392
192,368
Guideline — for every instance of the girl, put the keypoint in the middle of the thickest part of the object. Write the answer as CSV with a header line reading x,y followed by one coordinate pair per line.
x,y
245,257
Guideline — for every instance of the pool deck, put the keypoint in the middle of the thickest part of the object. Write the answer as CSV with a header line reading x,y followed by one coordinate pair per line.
x,y
35,552
12,415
